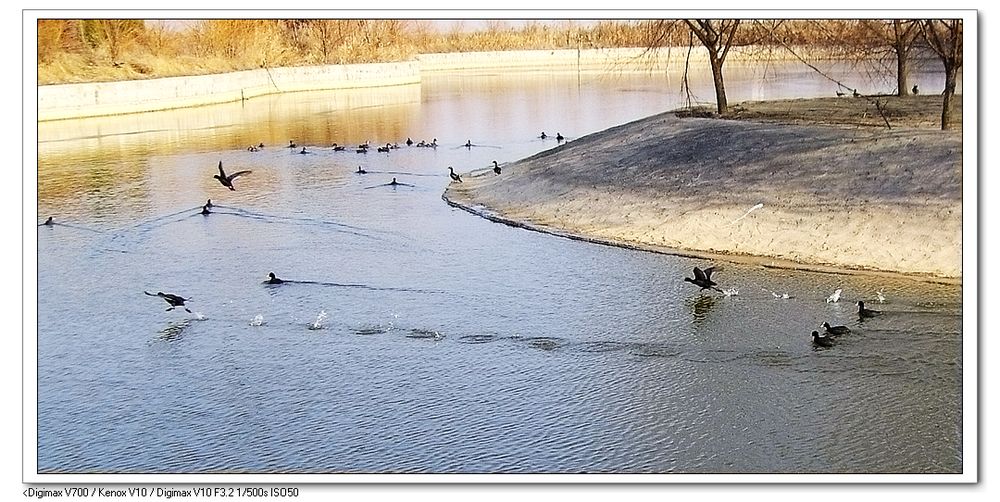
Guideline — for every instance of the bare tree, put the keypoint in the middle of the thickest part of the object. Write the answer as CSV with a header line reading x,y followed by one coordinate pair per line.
x,y
944,36
892,39
717,37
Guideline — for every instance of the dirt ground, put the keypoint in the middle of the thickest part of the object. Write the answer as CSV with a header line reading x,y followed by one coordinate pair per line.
x,y
810,183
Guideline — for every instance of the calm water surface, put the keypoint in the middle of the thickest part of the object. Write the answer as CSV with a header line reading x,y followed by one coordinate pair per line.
x,y
415,337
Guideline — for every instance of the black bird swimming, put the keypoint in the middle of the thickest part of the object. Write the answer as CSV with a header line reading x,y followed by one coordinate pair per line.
x,y
173,300
543,136
915,91
273,279
260,145
338,148
361,171
291,144
496,168
863,312
836,330
468,143
47,223
703,278
227,181
409,142
204,210
822,341
303,150
209,203
559,137
251,148
454,176
384,149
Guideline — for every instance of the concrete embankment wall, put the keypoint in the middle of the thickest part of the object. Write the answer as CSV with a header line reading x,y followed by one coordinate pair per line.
x,y
67,101
112,98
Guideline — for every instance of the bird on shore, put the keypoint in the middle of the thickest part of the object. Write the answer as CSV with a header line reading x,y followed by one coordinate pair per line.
x,y
559,137
273,279
865,313
836,330
703,278
857,94
915,91
173,300
840,94
361,171
204,210
227,181
47,223
496,168
821,341
454,176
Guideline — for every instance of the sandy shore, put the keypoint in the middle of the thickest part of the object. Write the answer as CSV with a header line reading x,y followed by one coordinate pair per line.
x,y
813,184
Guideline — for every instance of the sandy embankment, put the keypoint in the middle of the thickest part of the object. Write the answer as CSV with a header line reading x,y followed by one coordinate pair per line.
x,y
840,196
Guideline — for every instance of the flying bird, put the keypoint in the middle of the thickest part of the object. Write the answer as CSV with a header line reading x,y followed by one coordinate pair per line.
x,y
703,278
227,181
173,300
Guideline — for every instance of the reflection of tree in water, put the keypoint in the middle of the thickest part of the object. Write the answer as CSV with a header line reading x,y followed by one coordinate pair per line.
x,y
701,306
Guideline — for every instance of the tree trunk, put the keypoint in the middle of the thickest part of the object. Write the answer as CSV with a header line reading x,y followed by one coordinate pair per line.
x,y
950,80
720,86
902,86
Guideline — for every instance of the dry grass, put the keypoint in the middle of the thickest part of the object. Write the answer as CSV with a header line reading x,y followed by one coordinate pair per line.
x,y
108,49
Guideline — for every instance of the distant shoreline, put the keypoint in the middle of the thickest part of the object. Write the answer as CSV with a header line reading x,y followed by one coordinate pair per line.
x,y
95,99
776,191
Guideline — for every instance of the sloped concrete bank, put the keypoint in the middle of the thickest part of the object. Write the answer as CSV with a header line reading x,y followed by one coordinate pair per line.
x,y
814,197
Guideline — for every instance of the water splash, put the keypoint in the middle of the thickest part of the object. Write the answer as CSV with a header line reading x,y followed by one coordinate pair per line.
x,y
731,292
198,316
318,323
835,297
258,320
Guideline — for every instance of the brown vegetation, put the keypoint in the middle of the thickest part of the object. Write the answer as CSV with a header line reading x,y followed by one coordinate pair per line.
x,y
115,49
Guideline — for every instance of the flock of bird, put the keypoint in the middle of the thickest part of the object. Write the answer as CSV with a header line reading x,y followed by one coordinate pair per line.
x,y
226,180
703,279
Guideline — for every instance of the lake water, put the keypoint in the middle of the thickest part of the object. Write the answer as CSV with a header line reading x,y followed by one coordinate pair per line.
x,y
414,337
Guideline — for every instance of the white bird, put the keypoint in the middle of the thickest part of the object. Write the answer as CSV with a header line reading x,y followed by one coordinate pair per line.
x,y
881,297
